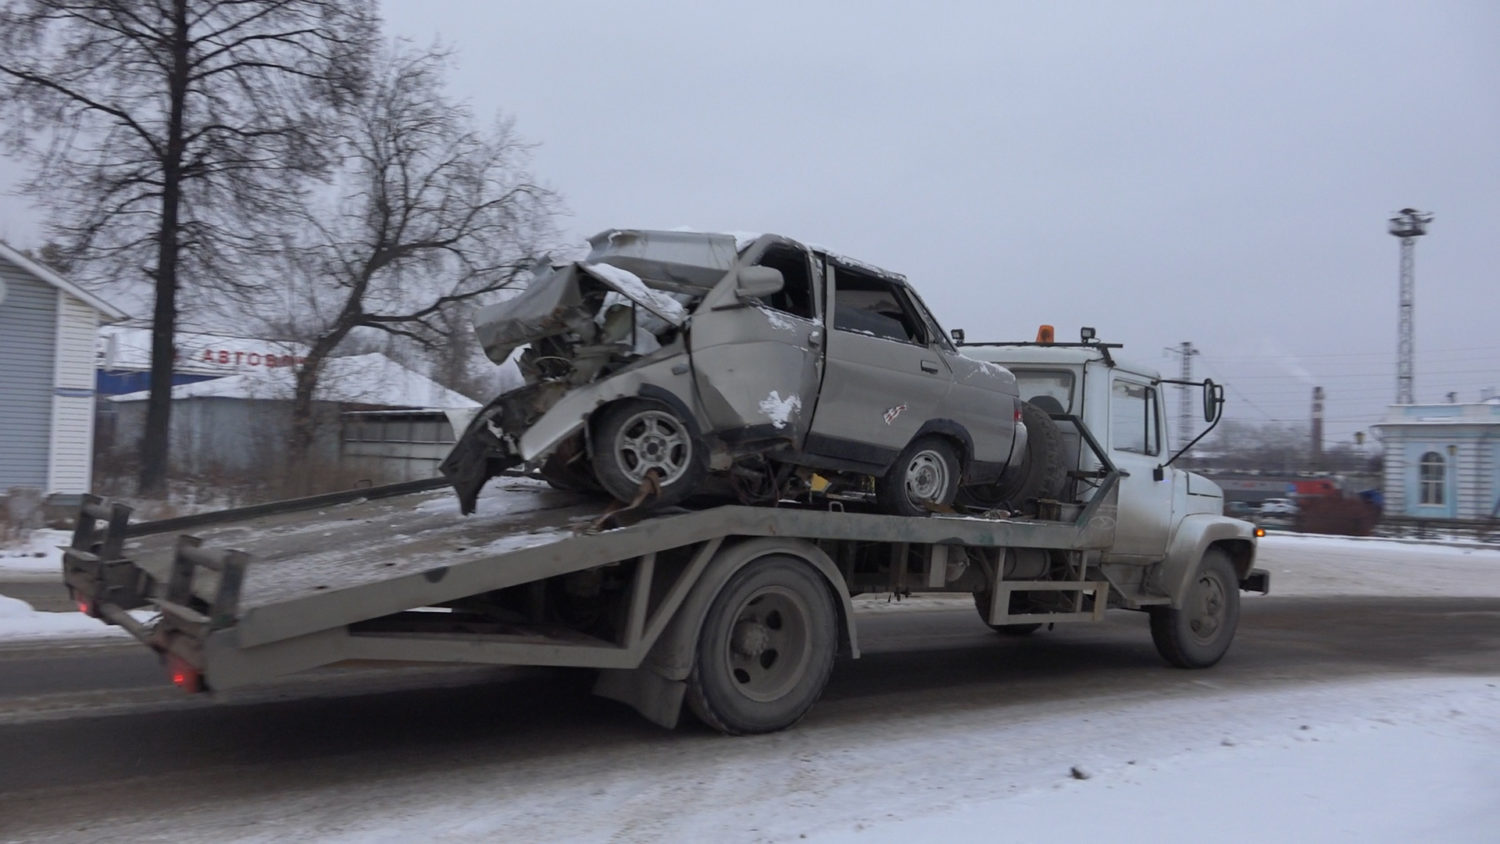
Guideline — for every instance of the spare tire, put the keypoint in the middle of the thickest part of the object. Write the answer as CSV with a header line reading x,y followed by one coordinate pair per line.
x,y
1040,473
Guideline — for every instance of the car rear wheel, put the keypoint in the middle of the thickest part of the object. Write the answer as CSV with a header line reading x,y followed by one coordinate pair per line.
x,y
638,443
923,478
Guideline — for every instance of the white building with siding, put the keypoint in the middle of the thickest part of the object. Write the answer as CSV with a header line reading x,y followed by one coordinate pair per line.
x,y
1442,461
48,329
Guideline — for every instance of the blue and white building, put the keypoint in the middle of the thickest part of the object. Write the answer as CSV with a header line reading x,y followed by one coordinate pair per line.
x,y
1442,461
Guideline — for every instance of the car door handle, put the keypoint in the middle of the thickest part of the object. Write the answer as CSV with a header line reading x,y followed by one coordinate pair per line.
x,y
815,337
929,366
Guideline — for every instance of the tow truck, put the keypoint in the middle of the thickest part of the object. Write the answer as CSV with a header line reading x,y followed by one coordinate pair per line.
x,y
734,612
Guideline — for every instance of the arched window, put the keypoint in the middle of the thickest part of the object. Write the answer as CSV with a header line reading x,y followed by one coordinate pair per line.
x,y
1433,472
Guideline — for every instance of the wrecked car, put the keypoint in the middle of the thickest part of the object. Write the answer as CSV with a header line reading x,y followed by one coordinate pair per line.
x,y
667,362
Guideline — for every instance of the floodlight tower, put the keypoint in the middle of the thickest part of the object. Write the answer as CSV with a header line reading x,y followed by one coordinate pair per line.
x,y
1408,225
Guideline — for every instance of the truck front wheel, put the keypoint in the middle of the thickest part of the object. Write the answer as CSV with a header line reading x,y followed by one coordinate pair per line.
x,y
1199,634
766,648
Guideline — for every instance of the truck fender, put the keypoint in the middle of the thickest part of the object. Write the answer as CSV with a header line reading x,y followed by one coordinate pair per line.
x,y
672,655
656,688
1196,533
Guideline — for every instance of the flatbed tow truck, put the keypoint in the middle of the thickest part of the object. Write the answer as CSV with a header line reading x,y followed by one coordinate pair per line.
x,y
737,611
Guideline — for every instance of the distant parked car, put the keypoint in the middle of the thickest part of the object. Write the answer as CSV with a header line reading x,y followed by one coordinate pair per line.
x,y
1239,509
1278,507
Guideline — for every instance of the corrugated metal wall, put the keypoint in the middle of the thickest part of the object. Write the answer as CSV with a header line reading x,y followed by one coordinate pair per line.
x,y
72,454
28,322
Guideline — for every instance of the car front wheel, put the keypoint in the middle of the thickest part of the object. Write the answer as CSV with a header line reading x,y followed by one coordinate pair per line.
x,y
640,443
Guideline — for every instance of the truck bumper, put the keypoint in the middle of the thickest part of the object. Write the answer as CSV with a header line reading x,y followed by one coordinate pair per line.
x,y
1258,580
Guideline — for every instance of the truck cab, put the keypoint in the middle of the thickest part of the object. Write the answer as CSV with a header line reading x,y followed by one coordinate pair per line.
x,y
1168,518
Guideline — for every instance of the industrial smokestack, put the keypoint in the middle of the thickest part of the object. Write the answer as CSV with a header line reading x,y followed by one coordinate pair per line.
x,y
1317,425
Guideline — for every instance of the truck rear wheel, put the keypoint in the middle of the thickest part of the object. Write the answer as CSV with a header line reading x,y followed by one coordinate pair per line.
x,y
766,648
1199,634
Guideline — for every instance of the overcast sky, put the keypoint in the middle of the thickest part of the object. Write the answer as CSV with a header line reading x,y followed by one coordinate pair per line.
x,y
1220,173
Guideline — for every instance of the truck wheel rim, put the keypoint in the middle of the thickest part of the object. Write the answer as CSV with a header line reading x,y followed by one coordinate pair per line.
x,y
653,440
926,477
1208,610
769,645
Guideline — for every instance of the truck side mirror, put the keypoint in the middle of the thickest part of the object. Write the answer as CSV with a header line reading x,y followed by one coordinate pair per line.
x,y
1213,398
958,336
755,282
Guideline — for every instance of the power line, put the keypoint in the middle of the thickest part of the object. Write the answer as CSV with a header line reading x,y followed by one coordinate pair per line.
x,y
1386,355
1326,375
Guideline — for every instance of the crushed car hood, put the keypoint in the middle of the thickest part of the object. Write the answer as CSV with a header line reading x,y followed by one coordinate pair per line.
x,y
559,301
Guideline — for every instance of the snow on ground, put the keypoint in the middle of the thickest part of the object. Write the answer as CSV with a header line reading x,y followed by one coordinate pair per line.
x,y
1393,761
1302,564
19,622
38,557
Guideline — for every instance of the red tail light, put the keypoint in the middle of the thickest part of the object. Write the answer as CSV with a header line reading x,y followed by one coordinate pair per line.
x,y
184,676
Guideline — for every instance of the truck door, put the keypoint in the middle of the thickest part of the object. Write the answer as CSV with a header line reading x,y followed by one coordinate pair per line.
x,y
883,373
757,367
1136,445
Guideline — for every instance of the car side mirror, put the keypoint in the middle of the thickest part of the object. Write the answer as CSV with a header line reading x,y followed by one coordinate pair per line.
x,y
755,282
958,336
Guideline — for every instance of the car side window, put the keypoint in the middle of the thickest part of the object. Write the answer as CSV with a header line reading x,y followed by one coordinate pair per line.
x,y
796,294
1133,425
867,304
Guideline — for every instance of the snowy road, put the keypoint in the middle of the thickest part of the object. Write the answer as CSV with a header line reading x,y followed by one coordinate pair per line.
x,y
1344,711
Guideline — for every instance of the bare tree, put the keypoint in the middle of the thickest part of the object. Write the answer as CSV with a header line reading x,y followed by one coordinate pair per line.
x,y
427,212
165,130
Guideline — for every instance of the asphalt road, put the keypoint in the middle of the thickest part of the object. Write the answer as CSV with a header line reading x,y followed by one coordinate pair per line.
x,y
99,735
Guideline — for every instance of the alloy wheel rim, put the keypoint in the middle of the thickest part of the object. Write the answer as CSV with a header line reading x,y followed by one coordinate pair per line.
x,y
653,440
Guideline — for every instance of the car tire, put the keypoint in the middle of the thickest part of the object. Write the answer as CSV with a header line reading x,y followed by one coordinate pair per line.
x,y
1200,633
925,476
1041,473
765,649
637,436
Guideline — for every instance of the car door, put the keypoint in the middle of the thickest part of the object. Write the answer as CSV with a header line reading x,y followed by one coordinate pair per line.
x,y
756,365
883,377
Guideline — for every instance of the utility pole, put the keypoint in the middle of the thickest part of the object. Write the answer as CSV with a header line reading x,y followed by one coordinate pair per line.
x,y
1317,428
1408,225
1184,392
